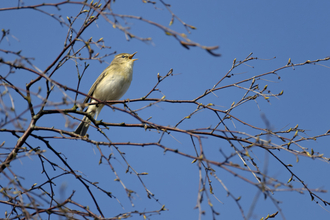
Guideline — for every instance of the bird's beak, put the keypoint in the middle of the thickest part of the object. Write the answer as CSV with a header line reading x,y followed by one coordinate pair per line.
x,y
131,56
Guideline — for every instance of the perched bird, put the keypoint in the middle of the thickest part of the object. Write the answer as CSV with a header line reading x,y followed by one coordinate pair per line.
x,y
112,84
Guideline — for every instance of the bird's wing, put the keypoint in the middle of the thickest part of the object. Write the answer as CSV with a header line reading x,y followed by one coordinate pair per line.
x,y
97,81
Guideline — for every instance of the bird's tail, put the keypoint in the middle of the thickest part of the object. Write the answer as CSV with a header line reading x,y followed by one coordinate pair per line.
x,y
83,126
94,111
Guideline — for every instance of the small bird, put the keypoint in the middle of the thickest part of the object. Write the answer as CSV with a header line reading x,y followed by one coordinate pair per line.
x,y
112,84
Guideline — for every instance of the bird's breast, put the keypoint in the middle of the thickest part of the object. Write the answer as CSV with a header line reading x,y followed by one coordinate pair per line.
x,y
114,85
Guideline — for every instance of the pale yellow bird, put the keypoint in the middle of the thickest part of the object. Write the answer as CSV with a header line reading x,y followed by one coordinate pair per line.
x,y
112,84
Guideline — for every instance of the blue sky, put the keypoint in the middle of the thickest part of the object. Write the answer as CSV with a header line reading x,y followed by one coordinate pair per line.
x,y
283,29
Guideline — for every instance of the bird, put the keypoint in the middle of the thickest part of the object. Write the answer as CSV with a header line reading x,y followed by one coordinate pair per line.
x,y
112,84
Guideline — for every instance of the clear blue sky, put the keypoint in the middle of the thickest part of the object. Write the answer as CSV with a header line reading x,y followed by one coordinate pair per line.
x,y
283,29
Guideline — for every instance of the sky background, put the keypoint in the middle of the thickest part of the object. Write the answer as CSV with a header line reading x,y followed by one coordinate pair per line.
x,y
283,29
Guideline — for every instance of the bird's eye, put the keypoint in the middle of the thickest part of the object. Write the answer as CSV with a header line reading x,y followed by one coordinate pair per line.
x,y
122,56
